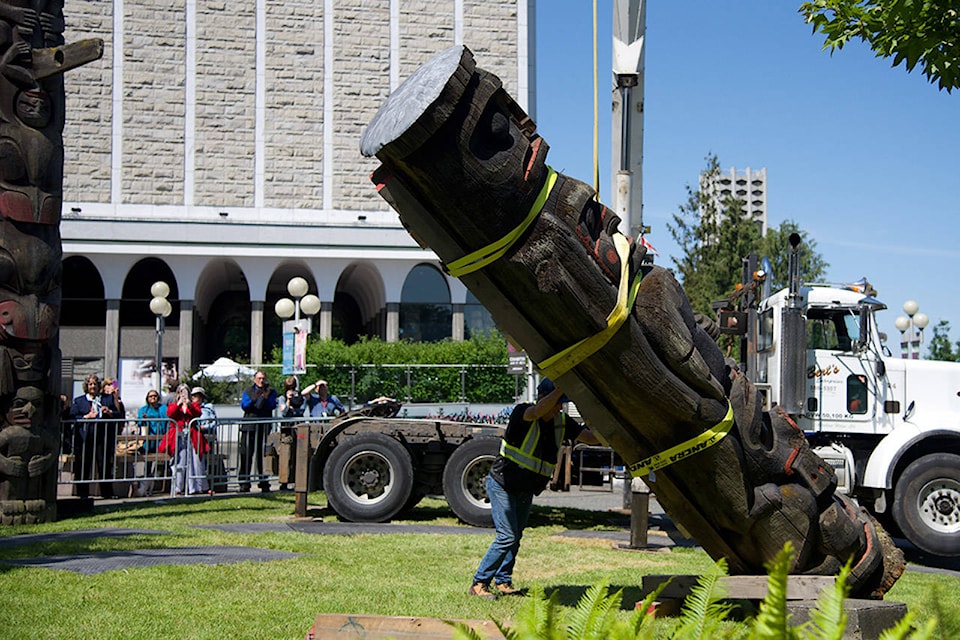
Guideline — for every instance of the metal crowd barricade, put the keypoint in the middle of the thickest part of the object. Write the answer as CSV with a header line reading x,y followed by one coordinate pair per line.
x,y
235,461
119,457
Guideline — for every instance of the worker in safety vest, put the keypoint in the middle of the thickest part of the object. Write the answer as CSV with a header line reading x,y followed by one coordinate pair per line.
x,y
528,453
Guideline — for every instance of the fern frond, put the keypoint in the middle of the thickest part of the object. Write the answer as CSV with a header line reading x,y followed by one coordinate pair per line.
x,y
642,618
463,631
594,614
508,633
772,620
536,617
904,629
828,620
701,610
948,618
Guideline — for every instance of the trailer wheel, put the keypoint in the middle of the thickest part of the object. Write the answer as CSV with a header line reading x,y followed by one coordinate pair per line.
x,y
926,504
465,478
368,478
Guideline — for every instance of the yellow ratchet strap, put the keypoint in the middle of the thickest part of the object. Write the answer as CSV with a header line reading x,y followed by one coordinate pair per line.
x,y
482,257
683,450
558,364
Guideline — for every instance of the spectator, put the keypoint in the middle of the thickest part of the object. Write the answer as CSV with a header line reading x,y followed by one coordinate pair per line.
x,y
208,414
186,445
151,419
258,402
291,406
112,388
94,439
321,403
291,402
209,428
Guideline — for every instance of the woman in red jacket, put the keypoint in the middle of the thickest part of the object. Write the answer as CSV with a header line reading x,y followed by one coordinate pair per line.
x,y
188,471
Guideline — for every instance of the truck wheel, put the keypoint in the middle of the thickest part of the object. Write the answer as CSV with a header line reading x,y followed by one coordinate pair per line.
x,y
465,480
926,504
368,477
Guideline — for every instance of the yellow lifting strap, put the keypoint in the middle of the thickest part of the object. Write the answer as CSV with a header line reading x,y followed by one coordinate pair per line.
x,y
560,363
482,257
683,450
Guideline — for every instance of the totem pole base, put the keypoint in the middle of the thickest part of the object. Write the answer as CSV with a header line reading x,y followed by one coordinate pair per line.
x,y
866,619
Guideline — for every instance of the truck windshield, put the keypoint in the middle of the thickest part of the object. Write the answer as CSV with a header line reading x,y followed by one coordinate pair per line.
x,y
831,329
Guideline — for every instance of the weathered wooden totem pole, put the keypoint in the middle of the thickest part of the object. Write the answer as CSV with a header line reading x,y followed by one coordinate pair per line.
x,y
33,58
464,168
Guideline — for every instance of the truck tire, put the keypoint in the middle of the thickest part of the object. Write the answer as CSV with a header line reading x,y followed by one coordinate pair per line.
x,y
465,480
368,477
926,504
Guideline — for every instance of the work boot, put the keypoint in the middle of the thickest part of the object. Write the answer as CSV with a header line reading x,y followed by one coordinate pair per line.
x,y
481,591
506,589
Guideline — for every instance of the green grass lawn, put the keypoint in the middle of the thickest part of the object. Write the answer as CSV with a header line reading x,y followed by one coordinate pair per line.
x,y
400,575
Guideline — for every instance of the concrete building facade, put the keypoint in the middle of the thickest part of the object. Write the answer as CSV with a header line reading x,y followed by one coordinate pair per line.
x,y
749,186
216,147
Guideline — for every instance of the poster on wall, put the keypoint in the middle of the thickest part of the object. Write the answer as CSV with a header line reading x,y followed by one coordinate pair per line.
x,y
138,375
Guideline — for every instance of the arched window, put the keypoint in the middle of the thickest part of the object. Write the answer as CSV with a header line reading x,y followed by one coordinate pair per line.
x,y
83,303
135,301
477,321
425,310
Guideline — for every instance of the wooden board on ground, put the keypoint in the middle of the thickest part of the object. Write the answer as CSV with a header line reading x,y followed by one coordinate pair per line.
x,y
336,626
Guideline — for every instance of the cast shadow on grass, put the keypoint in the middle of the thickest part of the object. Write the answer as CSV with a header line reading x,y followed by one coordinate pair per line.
x,y
146,509
913,555
572,518
569,595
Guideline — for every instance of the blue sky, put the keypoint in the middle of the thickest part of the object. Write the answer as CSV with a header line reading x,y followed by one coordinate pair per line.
x,y
863,156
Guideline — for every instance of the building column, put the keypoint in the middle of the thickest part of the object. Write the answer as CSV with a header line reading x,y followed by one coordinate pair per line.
x,y
185,354
256,332
111,347
456,319
393,321
325,329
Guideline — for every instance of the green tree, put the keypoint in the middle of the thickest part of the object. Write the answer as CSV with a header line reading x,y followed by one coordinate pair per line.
x,y
940,346
776,246
714,239
912,32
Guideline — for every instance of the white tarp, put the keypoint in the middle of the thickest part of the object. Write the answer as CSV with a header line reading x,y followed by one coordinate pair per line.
x,y
224,369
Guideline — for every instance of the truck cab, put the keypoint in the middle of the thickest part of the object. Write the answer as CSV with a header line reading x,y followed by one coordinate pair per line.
x,y
890,427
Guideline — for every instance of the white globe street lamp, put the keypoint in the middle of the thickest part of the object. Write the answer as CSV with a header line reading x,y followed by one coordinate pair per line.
x,y
285,308
911,329
161,308
297,287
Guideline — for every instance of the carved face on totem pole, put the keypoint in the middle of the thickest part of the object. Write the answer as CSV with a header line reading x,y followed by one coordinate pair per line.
x,y
33,58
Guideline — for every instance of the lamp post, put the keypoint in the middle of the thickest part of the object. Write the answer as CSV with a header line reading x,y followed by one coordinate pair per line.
x,y
294,350
161,308
914,323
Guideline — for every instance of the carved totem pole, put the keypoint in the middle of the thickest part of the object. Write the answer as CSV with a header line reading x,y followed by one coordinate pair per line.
x,y
33,58
464,168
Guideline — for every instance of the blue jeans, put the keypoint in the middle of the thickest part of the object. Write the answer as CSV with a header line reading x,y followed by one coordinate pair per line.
x,y
511,510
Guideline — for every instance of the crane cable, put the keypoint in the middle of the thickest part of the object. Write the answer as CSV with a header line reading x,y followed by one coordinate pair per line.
x,y
596,110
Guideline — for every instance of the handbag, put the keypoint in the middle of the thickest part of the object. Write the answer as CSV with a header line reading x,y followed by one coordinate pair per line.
x,y
130,447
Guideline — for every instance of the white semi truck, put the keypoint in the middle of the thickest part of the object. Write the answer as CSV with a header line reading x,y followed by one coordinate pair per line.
x,y
890,427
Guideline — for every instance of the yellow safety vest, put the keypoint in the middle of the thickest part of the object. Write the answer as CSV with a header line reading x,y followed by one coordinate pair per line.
x,y
524,454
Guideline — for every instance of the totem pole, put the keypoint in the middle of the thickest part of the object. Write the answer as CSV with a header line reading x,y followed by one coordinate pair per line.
x,y
464,168
33,60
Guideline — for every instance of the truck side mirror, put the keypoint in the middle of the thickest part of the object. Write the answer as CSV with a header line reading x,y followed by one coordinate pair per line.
x,y
732,322
864,328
